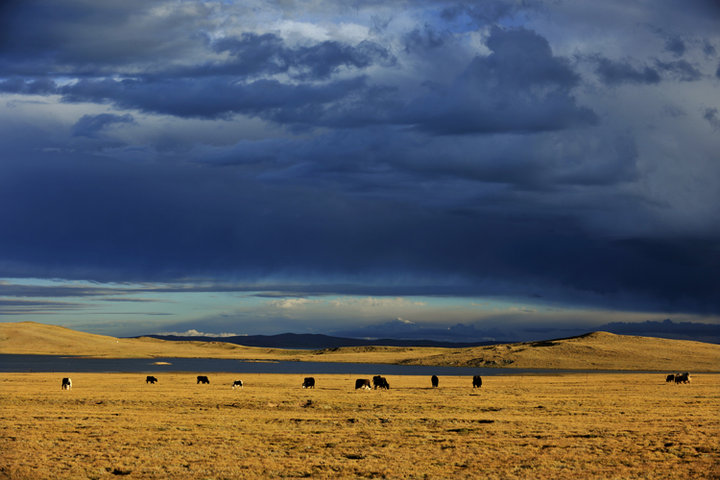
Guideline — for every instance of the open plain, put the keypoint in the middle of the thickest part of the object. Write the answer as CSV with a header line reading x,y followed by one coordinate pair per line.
x,y
610,426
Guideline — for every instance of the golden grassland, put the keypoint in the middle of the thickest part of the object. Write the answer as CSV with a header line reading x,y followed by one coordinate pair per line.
x,y
36,338
598,350
609,426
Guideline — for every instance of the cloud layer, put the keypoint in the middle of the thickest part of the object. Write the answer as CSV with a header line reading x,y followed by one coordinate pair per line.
x,y
433,147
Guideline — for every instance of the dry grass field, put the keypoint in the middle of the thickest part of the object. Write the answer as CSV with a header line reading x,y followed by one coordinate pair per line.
x,y
609,426
37,338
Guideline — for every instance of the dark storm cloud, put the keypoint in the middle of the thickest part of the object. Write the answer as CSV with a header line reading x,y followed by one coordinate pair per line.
x,y
424,39
709,49
215,90
78,37
675,45
40,86
712,117
680,69
95,39
255,54
23,307
260,290
353,160
92,125
111,221
618,72
212,97
441,148
484,13
520,87
8,289
267,54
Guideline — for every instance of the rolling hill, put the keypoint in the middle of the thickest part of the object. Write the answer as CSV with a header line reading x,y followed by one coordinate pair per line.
x,y
36,338
597,350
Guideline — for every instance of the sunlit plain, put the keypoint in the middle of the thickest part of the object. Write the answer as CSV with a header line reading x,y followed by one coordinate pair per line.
x,y
552,426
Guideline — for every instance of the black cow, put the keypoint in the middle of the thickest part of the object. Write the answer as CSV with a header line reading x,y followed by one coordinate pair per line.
x,y
682,378
362,383
150,379
434,380
309,382
670,378
237,384
202,379
380,382
66,384
477,381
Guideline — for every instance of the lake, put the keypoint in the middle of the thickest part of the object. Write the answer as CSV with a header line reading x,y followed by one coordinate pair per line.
x,y
56,363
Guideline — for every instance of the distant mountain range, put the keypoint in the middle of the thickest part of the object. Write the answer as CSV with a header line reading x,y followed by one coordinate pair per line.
x,y
405,334
317,341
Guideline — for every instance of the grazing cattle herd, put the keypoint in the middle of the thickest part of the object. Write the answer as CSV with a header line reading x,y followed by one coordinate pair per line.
x,y
365,384
380,382
678,378
309,382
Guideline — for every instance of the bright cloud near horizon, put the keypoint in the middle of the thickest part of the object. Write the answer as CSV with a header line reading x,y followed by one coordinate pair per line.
x,y
261,167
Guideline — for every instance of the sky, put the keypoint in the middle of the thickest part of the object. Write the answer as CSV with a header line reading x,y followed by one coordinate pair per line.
x,y
497,169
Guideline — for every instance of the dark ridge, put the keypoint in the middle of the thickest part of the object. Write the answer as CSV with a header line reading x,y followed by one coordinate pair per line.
x,y
545,343
317,341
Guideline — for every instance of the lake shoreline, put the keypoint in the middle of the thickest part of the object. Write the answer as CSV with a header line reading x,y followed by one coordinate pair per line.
x,y
19,363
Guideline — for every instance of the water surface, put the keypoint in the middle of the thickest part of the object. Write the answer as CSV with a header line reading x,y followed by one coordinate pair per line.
x,y
56,363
